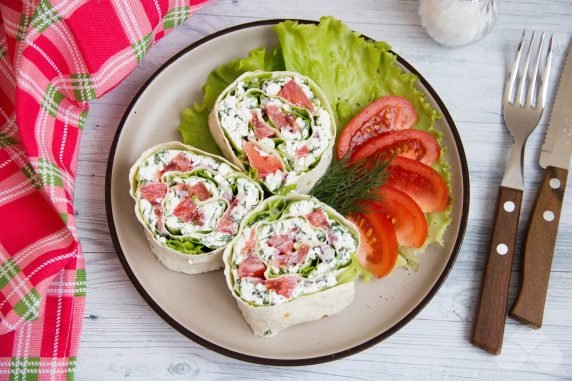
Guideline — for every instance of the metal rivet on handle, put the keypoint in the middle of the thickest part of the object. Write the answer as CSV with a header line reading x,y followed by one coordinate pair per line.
x,y
509,206
554,183
502,249
548,216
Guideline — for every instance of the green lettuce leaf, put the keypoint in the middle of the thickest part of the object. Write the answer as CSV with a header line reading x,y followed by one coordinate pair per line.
x,y
352,72
352,271
185,246
194,126
272,211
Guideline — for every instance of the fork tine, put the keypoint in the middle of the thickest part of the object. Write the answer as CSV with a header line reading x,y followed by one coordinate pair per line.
x,y
546,74
509,86
522,79
534,76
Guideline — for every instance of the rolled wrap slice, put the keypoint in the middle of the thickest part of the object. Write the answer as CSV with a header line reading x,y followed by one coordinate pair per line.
x,y
190,204
278,124
292,261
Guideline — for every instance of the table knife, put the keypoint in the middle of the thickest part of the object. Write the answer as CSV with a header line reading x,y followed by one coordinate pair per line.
x,y
543,226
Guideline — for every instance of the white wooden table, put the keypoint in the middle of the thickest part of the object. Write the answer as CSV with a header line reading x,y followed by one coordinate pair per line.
x,y
124,339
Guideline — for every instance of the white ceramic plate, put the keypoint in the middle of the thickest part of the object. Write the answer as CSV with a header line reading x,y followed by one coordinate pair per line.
x,y
200,306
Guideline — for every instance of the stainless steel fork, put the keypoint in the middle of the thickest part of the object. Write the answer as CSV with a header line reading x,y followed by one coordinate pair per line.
x,y
522,114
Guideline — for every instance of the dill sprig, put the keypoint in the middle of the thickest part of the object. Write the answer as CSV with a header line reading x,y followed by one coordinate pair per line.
x,y
346,186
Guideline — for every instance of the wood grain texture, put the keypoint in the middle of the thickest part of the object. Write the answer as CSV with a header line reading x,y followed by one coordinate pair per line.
x,y
490,316
539,248
123,339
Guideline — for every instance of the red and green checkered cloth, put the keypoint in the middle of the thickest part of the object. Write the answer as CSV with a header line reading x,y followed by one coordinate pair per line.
x,y
55,56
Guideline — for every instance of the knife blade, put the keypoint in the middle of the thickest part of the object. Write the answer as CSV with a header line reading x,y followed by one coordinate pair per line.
x,y
542,230
557,146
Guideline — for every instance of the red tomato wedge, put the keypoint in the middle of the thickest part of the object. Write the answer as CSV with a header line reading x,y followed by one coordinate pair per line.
x,y
407,218
421,182
293,93
378,247
265,165
413,144
382,115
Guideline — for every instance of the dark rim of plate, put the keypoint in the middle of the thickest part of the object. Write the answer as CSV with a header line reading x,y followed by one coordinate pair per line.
x,y
272,361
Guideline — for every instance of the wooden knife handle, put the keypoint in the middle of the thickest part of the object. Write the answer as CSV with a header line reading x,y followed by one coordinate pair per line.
x,y
490,317
539,248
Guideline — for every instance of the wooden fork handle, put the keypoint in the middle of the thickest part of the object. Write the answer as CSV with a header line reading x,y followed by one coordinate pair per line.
x,y
490,317
539,248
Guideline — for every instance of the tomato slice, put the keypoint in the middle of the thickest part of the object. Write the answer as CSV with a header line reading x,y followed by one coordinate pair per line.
x,y
383,114
265,165
407,218
378,247
413,144
421,182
